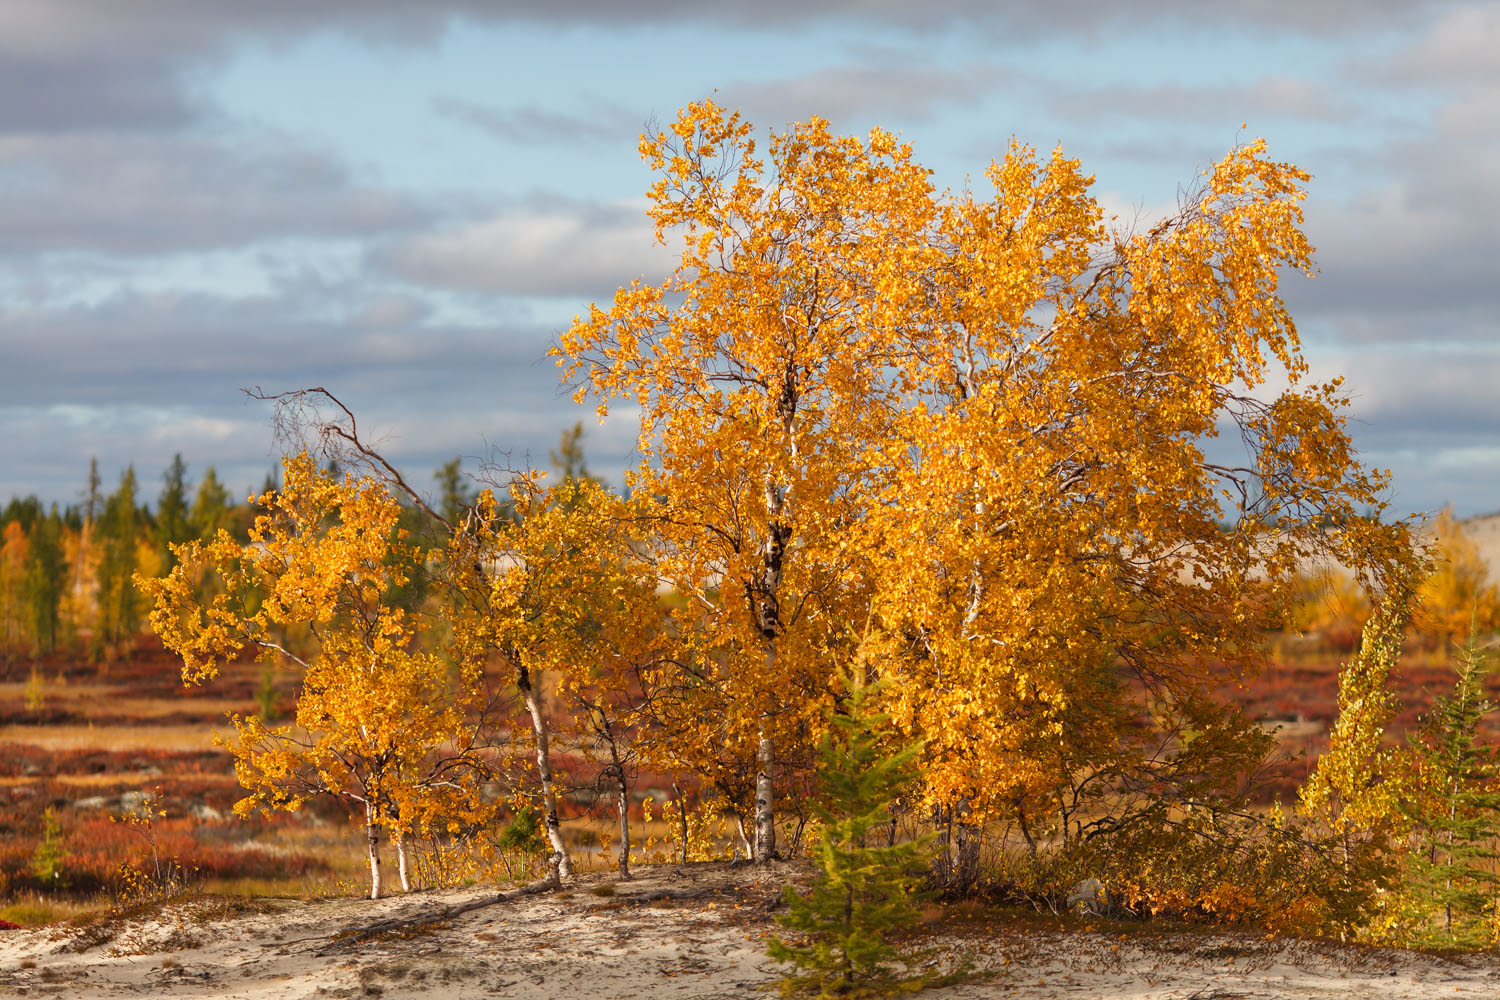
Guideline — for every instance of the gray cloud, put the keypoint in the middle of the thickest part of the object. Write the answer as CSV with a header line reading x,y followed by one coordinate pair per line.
x,y
1405,396
544,247
1412,257
1432,416
137,377
110,92
910,92
1475,114
1268,97
96,25
1458,49
86,27
143,193
530,124
198,348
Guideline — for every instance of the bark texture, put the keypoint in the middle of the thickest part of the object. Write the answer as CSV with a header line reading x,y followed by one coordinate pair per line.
x,y
765,802
544,772
401,864
372,849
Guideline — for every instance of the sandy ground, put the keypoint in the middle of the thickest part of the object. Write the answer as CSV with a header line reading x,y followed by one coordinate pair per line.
x,y
669,934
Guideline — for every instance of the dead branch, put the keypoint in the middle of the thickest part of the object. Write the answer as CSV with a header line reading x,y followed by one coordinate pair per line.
x,y
299,412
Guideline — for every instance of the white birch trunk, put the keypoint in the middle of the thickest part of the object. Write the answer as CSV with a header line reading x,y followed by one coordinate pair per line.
x,y
769,620
544,772
765,802
401,866
372,848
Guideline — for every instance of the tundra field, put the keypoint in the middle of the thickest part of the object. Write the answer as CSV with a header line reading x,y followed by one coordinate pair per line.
x,y
159,888
96,745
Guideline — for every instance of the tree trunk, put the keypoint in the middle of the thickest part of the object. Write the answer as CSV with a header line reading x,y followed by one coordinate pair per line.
x,y
766,603
624,806
746,844
682,827
544,772
401,866
966,864
622,790
372,848
765,802
942,858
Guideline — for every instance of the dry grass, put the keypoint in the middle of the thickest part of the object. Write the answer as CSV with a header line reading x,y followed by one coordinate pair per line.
x,y
37,911
147,708
305,887
109,778
84,737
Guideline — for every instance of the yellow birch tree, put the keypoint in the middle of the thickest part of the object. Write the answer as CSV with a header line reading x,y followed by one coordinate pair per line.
x,y
986,424
379,722
555,590
1067,573
762,370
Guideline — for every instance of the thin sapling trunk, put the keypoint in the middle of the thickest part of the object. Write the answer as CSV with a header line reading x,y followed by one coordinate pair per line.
x,y
544,772
372,849
401,865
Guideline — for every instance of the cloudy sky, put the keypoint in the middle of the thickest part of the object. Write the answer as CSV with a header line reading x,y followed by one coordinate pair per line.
x,y
407,201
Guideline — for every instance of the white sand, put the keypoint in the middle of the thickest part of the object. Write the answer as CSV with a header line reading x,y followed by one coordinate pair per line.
x,y
705,942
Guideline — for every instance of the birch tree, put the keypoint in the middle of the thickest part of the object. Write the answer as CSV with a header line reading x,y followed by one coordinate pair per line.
x,y
987,424
1070,565
762,370
547,594
379,722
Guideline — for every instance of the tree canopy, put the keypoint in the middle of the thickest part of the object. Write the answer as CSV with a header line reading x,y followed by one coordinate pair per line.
x,y
992,427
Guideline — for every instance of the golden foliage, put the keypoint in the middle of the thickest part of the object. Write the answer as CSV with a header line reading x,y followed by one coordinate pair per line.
x,y
1458,593
378,721
981,424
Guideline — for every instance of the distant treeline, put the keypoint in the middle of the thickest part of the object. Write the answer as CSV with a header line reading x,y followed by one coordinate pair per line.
x,y
65,571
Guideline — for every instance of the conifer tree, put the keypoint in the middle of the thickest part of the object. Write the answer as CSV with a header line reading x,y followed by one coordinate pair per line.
x,y
1453,879
119,602
46,579
210,507
14,555
455,495
172,511
92,501
862,893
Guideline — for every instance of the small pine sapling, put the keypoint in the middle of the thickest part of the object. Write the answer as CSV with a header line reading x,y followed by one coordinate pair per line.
x,y
1453,883
863,893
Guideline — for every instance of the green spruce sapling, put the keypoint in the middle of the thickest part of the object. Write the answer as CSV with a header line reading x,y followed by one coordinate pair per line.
x,y
862,894
1453,881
